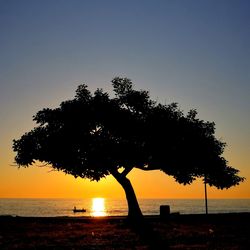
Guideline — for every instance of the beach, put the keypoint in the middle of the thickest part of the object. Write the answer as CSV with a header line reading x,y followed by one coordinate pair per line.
x,y
213,231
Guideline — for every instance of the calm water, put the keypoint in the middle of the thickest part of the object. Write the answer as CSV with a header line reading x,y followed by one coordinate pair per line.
x,y
112,207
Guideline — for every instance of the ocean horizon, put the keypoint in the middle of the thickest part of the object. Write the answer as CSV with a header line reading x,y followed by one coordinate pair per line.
x,y
56,207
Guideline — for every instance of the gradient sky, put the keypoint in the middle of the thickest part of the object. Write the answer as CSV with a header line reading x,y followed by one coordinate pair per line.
x,y
196,53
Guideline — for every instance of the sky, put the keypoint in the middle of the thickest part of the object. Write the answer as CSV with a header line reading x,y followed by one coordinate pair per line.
x,y
192,52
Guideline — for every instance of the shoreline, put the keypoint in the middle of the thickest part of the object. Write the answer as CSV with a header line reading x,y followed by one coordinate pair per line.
x,y
153,216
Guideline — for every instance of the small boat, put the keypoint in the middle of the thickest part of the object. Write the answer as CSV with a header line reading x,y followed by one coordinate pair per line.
x,y
82,210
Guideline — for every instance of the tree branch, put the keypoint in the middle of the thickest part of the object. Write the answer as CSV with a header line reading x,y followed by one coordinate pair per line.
x,y
126,171
43,165
115,173
147,168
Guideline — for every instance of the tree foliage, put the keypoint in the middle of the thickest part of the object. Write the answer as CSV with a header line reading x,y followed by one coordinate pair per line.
x,y
94,135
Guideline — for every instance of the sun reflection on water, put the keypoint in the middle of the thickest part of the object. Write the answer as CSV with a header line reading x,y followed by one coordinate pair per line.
x,y
98,207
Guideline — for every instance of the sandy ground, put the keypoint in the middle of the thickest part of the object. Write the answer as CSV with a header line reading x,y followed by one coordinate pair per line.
x,y
220,231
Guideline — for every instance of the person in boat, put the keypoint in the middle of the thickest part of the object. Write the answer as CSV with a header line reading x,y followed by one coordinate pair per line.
x,y
75,210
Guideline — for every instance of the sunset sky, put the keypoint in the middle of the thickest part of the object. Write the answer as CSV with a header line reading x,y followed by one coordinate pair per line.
x,y
196,53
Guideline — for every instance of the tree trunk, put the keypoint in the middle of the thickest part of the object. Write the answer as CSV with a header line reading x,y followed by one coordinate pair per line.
x,y
134,211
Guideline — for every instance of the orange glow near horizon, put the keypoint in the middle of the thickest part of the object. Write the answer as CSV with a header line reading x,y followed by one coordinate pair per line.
x,y
36,182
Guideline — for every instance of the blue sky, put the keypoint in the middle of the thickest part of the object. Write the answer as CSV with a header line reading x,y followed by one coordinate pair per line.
x,y
192,52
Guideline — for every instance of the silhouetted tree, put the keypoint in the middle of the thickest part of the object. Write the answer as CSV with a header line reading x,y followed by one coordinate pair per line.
x,y
94,135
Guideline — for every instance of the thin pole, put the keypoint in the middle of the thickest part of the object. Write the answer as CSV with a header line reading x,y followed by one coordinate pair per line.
x,y
205,183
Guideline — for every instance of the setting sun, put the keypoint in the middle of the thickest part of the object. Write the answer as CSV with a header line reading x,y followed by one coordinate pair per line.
x,y
98,207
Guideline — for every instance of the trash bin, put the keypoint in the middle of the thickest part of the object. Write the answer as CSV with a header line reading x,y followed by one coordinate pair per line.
x,y
164,211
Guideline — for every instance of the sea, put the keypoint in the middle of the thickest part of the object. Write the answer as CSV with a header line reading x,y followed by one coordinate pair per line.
x,y
115,207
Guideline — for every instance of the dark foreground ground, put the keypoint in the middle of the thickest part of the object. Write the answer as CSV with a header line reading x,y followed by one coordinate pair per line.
x,y
218,231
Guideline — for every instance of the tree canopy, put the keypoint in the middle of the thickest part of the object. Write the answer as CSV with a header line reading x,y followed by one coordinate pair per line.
x,y
94,135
